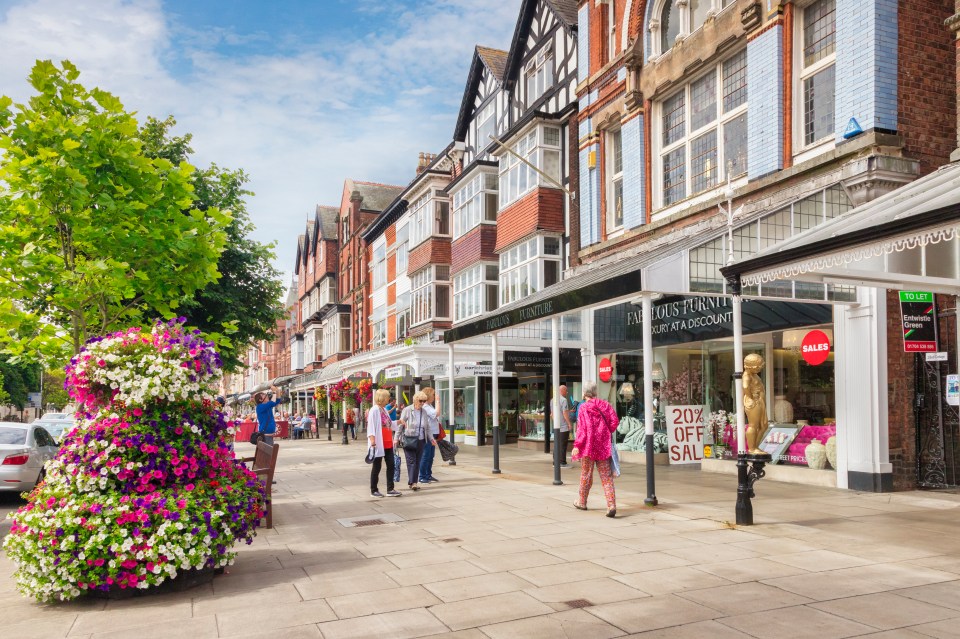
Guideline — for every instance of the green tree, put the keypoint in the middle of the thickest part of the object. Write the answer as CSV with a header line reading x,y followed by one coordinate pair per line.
x,y
93,235
4,395
245,303
19,379
54,394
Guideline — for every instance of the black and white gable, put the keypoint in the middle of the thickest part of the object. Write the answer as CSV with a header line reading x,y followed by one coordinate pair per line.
x,y
541,70
484,107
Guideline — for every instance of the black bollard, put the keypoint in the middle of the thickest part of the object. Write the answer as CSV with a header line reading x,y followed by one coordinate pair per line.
x,y
749,470
345,440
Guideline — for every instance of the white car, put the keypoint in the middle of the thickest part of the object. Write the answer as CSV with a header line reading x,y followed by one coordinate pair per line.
x,y
57,428
24,449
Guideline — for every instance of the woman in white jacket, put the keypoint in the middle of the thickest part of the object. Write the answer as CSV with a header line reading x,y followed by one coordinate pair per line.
x,y
380,438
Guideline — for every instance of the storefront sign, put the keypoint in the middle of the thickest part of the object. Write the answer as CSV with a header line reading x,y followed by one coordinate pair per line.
x,y
815,348
681,320
524,362
394,372
919,315
605,371
469,369
685,434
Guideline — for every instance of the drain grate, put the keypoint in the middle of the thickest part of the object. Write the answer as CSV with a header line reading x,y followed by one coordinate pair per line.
x,y
450,540
578,603
369,522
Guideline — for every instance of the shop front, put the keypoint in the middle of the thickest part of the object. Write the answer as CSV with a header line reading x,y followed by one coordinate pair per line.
x,y
693,379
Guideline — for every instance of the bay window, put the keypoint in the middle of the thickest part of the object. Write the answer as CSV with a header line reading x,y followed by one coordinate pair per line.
x,y
430,294
429,216
403,315
378,322
541,148
474,291
328,291
336,334
474,203
703,131
486,123
403,248
817,72
529,267
379,266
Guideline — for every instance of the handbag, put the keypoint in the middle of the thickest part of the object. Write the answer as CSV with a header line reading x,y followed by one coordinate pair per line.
x,y
371,455
614,457
255,437
410,442
442,435
396,466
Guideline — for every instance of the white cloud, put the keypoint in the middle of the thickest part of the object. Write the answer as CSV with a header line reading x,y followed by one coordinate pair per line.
x,y
298,123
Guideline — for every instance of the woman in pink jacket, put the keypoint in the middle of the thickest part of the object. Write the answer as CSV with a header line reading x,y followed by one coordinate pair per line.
x,y
596,421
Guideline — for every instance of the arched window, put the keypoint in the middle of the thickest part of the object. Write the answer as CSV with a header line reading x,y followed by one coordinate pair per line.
x,y
680,18
669,25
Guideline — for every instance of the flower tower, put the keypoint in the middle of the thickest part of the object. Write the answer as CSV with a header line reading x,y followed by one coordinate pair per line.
x,y
145,486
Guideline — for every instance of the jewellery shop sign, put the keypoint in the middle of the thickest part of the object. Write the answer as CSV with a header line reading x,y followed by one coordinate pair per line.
x,y
685,319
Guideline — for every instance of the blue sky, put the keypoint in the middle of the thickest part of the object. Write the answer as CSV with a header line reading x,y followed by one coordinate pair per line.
x,y
299,93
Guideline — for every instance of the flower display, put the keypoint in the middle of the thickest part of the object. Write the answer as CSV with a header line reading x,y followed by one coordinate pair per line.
x,y
145,485
363,391
719,422
340,391
683,387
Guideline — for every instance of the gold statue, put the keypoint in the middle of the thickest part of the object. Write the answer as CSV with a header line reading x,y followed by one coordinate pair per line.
x,y
754,402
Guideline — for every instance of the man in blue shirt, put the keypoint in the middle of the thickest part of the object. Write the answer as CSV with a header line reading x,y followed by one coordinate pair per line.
x,y
266,423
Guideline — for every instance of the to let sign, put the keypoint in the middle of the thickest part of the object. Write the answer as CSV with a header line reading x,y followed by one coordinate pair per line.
x,y
919,313
685,434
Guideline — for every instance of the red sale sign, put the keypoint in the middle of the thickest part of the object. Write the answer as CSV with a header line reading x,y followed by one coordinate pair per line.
x,y
605,370
815,348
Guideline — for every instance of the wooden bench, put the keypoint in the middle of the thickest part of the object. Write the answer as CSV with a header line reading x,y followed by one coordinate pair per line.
x,y
264,463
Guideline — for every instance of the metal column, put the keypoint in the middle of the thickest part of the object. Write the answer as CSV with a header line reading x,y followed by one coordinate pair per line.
x,y
647,310
451,418
555,395
495,403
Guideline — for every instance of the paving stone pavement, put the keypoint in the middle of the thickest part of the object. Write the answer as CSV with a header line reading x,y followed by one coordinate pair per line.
x,y
484,556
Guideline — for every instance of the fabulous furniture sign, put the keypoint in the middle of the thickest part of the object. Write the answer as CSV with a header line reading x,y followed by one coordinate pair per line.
x,y
680,320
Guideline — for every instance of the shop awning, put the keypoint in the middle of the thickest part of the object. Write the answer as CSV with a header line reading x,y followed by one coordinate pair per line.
x,y
904,240
597,284
330,374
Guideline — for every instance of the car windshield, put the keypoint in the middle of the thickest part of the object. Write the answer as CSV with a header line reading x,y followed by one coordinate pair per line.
x,y
49,416
13,435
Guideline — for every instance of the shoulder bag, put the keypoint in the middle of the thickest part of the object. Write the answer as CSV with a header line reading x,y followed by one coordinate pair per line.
x,y
410,441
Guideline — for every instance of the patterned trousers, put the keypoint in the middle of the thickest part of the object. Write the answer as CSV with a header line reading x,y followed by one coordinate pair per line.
x,y
606,478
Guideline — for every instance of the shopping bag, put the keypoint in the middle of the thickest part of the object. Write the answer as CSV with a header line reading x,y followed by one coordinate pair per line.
x,y
396,467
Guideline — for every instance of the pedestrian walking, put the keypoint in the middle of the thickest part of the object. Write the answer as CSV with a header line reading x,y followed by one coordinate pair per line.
x,y
414,437
595,425
266,422
432,419
351,419
380,438
563,405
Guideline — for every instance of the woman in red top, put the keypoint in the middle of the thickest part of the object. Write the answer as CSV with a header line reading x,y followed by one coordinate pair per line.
x,y
380,438
596,421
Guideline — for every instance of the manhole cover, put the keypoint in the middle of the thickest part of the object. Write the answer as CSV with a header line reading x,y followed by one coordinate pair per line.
x,y
578,603
369,522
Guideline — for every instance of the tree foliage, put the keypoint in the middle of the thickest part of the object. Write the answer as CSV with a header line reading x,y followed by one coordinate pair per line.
x,y
94,234
244,304
17,380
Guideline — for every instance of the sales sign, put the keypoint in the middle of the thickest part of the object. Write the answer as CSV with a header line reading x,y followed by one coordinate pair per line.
x,y
815,348
685,434
605,370
919,315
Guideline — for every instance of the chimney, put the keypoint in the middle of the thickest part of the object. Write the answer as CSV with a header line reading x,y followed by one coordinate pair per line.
x,y
425,159
953,23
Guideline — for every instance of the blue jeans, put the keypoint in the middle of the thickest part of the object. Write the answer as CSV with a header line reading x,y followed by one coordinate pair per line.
x,y
426,464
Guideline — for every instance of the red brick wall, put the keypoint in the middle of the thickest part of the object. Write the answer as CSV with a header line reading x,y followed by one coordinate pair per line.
x,y
476,246
541,209
927,91
434,251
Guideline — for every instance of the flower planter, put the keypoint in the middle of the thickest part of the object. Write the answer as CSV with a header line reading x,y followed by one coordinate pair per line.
x,y
185,580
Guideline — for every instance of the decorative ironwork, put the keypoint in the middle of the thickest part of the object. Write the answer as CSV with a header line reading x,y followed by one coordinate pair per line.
x,y
750,469
937,423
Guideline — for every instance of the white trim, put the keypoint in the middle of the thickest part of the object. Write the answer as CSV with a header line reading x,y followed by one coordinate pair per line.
x,y
839,260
